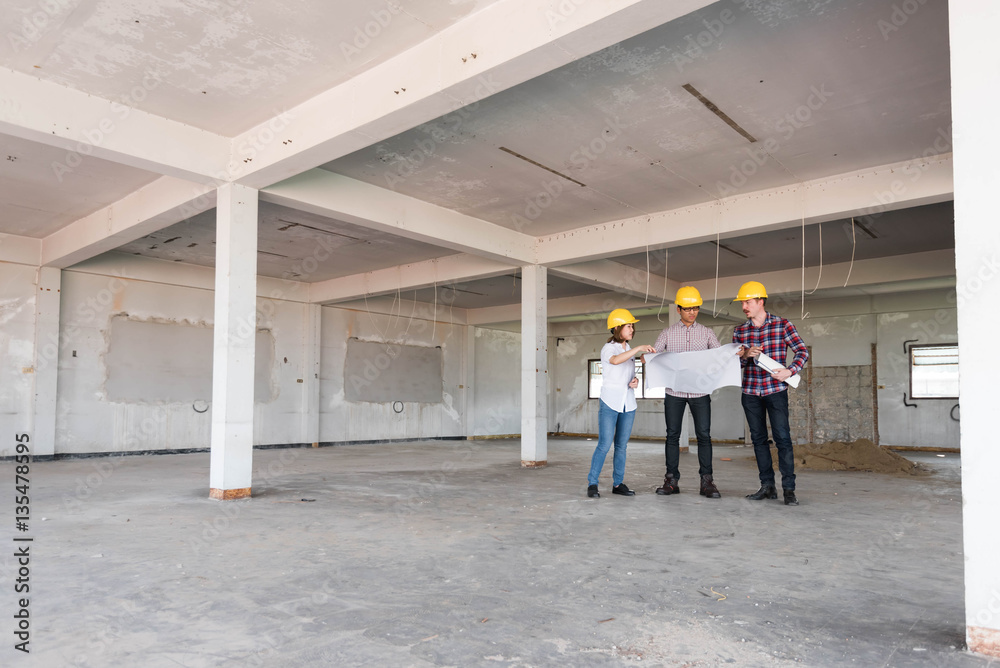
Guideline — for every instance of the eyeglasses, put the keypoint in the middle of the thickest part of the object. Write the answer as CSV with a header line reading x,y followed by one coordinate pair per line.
x,y
689,309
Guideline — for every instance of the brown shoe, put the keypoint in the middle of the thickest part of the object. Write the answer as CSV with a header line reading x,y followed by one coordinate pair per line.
x,y
669,486
708,488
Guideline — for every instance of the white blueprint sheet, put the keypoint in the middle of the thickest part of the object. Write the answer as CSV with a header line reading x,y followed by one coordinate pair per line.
x,y
700,372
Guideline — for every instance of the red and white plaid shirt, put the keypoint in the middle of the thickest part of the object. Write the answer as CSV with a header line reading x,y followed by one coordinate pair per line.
x,y
679,338
775,336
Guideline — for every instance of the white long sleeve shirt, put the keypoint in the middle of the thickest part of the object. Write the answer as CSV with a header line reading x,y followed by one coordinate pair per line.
x,y
615,391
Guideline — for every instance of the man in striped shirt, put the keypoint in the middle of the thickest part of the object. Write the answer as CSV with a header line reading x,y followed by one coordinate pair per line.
x,y
765,395
686,335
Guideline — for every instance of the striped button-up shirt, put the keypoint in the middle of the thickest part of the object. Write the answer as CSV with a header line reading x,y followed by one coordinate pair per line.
x,y
679,338
775,336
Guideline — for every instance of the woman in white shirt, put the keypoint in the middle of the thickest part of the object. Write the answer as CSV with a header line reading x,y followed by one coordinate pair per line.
x,y
617,407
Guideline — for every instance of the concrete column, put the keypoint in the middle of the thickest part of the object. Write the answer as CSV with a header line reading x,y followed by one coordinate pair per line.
x,y
672,318
46,364
311,352
534,371
975,53
469,402
235,337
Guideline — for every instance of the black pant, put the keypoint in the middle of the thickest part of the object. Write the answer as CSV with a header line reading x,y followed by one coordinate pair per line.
x,y
701,411
760,410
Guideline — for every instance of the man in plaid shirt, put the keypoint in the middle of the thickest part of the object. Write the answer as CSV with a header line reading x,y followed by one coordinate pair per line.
x,y
765,396
683,336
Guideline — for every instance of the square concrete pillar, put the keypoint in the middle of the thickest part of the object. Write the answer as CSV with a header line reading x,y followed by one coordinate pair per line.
x,y
975,53
534,369
235,338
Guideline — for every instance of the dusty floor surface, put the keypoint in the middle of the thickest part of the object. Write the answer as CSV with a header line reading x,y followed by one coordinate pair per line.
x,y
450,554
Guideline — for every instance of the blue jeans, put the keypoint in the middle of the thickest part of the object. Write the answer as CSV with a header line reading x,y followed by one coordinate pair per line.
x,y
701,411
611,426
776,408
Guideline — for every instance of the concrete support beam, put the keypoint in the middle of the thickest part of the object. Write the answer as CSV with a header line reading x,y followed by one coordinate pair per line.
x,y
977,240
598,306
46,365
235,339
788,282
504,44
85,125
866,193
311,351
620,278
534,367
161,203
327,194
412,276
20,250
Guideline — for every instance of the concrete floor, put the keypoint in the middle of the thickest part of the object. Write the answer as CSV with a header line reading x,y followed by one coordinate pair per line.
x,y
450,554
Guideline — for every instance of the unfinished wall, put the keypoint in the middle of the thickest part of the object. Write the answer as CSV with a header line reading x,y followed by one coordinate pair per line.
x,y
928,422
120,339
496,383
342,420
17,349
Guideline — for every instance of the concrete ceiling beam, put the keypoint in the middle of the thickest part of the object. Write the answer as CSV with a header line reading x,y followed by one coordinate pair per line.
x,y
876,271
153,207
85,125
504,44
413,276
332,195
865,194
619,278
20,250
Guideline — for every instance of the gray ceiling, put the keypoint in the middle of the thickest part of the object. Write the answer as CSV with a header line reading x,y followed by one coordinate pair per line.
x,y
820,87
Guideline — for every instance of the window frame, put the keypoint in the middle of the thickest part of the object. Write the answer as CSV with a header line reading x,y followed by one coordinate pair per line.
x,y
911,364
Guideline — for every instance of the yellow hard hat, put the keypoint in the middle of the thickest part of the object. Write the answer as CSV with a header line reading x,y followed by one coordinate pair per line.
x,y
751,290
620,316
688,297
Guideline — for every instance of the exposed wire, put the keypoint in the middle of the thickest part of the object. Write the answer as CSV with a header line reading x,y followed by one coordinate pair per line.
x,y
820,276
663,297
854,241
412,311
803,313
715,299
645,297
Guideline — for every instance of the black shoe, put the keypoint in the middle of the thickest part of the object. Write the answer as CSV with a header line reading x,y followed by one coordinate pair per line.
x,y
765,492
708,488
623,490
592,492
790,499
669,486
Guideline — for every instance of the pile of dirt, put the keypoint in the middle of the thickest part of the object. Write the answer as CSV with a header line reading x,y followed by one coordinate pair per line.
x,y
861,455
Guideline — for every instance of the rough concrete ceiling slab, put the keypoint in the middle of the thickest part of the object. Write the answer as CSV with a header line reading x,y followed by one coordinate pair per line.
x,y
223,66
291,244
43,189
823,87
900,232
819,86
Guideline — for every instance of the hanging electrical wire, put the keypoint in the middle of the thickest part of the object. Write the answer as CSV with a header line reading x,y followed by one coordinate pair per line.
x,y
820,260
854,247
663,297
715,299
645,297
803,314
